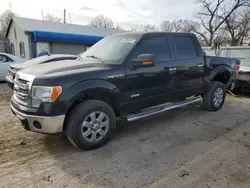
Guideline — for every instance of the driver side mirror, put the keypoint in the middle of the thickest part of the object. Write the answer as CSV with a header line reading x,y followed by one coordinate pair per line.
x,y
143,60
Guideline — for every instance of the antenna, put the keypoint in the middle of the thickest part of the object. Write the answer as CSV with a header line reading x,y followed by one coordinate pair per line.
x,y
42,14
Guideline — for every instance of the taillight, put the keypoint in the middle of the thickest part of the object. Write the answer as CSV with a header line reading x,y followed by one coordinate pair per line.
x,y
237,68
14,74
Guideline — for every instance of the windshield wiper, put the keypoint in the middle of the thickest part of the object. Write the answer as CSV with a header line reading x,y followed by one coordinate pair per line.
x,y
94,57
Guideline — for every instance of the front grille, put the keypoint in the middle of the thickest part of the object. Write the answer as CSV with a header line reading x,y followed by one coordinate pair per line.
x,y
21,91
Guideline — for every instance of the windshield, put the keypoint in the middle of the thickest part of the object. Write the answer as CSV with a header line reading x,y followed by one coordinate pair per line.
x,y
112,49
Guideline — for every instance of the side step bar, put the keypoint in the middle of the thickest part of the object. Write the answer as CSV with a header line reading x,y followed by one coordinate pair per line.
x,y
161,109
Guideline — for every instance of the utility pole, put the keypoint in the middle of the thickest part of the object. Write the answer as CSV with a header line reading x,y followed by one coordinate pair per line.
x,y
64,16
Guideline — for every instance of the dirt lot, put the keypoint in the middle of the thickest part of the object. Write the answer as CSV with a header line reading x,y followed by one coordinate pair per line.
x,y
188,147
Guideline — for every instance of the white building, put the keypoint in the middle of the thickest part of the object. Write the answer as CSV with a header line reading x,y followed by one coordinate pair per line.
x,y
28,38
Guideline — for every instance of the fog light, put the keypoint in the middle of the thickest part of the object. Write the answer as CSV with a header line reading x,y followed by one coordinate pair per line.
x,y
37,125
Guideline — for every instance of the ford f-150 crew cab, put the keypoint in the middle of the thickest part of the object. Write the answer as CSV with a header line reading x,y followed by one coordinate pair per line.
x,y
123,75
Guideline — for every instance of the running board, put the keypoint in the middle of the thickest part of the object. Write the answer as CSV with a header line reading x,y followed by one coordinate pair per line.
x,y
161,109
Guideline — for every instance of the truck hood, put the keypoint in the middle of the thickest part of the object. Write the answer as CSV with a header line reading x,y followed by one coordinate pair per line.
x,y
62,66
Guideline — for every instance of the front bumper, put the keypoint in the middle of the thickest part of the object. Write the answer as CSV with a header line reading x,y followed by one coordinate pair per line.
x,y
41,124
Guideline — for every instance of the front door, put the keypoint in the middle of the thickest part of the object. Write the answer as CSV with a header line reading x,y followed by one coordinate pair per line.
x,y
147,86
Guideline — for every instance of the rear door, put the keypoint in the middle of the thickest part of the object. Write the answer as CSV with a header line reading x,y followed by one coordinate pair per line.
x,y
188,64
147,86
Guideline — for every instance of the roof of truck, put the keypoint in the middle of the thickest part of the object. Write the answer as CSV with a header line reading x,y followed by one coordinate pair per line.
x,y
152,33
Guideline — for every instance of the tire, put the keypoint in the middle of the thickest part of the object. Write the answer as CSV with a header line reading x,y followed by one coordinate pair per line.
x,y
85,121
214,98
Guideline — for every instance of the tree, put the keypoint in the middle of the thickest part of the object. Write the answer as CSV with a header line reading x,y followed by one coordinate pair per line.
x,y
133,28
52,18
102,21
117,27
142,28
5,18
177,26
238,27
148,28
214,14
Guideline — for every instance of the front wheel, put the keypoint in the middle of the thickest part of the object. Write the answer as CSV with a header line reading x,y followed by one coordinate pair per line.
x,y
90,124
214,98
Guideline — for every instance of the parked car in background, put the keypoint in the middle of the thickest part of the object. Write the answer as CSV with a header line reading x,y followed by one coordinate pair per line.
x,y
36,61
242,83
5,61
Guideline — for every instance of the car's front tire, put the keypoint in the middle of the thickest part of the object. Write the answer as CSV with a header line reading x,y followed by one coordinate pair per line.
x,y
90,124
214,98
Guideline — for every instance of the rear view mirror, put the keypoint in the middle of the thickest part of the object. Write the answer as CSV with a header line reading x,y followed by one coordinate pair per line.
x,y
144,60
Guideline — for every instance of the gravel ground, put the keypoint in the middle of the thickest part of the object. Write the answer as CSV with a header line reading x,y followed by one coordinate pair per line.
x,y
187,147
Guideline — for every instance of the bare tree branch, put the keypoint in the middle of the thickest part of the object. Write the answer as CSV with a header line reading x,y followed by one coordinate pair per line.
x,y
238,27
52,18
214,14
102,21
5,18
176,26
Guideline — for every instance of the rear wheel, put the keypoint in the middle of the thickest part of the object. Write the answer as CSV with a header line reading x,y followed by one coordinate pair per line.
x,y
90,124
214,99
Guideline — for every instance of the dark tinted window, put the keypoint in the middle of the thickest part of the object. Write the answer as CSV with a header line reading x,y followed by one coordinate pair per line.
x,y
185,47
153,45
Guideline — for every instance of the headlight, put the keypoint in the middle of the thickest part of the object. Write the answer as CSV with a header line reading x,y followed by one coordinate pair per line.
x,y
46,94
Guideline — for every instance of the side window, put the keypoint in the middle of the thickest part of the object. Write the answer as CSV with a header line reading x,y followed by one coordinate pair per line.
x,y
12,49
22,49
4,59
185,47
153,45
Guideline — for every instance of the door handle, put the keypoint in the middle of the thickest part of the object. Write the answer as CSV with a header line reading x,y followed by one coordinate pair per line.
x,y
200,65
172,69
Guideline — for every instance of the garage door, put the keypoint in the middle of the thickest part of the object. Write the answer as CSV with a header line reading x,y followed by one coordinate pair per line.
x,y
65,48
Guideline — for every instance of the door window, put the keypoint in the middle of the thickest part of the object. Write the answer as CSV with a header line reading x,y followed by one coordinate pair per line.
x,y
185,47
3,59
22,49
12,49
157,46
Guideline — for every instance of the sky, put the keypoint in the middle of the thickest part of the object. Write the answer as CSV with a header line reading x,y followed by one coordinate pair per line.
x,y
122,12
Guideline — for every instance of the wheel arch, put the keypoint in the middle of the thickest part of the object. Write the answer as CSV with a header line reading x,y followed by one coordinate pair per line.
x,y
98,90
221,74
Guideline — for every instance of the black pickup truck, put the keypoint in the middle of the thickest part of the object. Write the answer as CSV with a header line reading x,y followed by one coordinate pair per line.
x,y
130,75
